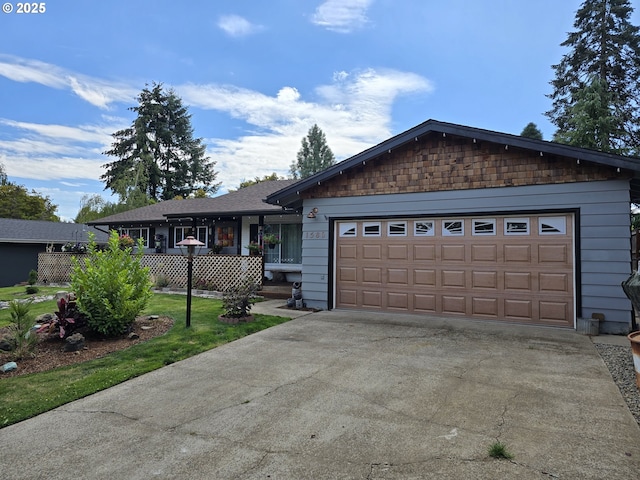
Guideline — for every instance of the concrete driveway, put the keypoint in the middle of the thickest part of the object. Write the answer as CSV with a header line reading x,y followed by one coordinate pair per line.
x,y
349,395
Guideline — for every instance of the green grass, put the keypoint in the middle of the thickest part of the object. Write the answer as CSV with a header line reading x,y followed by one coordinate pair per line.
x,y
29,395
499,450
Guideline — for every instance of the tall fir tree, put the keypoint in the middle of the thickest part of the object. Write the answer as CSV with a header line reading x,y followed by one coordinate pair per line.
x,y
604,62
314,154
158,154
531,131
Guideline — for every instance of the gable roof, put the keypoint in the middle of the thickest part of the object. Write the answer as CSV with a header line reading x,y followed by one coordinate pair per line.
x,y
290,196
245,201
39,231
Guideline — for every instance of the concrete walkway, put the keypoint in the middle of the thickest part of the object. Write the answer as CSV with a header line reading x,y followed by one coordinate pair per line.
x,y
348,395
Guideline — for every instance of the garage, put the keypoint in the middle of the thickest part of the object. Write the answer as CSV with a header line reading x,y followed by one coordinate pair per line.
x,y
516,268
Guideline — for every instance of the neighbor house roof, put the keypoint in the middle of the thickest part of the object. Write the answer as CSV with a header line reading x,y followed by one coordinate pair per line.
x,y
290,196
245,201
39,231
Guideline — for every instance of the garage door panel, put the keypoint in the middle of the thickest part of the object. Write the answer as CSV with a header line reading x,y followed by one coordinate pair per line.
x,y
424,252
397,300
484,253
425,278
372,252
347,274
517,253
453,278
485,306
554,282
398,276
398,252
553,254
452,253
372,275
517,281
517,272
484,280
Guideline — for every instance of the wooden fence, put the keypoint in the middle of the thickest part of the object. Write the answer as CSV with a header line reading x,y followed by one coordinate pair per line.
x,y
218,271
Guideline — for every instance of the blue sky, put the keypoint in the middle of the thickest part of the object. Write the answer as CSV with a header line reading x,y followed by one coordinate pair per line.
x,y
256,75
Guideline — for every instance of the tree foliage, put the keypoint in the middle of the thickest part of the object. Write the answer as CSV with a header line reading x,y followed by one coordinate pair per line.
x,y
531,131
599,80
158,154
314,154
93,207
267,178
17,202
111,285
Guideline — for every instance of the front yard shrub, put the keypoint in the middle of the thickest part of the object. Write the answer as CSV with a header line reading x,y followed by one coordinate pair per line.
x,y
22,336
66,320
31,289
33,277
112,287
237,301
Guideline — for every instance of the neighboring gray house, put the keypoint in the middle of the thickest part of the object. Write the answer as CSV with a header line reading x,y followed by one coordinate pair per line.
x,y
22,240
231,221
453,220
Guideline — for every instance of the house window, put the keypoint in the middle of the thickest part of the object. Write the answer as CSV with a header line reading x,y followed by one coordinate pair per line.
x,y
225,236
423,228
397,229
290,248
180,233
484,226
451,228
137,233
371,229
552,226
516,226
347,229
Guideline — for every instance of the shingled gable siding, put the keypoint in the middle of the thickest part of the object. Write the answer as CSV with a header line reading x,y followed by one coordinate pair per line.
x,y
556,184
440,164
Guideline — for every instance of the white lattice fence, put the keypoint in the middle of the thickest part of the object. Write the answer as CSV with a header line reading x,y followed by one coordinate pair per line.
x,y
222,271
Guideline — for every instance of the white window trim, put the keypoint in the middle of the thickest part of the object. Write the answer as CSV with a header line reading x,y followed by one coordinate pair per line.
x,y
491,221
448,233
517,220
348,229
396,234
430,233
126,231
371,224
184,229
559,223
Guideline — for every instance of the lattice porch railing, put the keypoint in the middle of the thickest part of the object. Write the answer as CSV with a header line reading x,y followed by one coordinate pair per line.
x,y
220,271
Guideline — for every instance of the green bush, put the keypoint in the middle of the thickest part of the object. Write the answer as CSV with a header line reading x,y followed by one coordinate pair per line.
x,y
237,301
111,286
33,277
31,289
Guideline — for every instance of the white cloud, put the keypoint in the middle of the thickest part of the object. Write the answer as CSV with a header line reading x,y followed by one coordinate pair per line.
x,y
97,92
342,16
237,26
354,111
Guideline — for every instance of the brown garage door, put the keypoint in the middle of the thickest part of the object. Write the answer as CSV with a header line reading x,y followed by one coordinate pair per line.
x,y
505,268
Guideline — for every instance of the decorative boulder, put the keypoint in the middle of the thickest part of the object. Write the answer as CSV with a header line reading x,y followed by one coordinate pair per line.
x,y
74,343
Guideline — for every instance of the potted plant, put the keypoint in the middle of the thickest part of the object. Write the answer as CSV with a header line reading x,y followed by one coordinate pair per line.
x,y
271,239
125,241
216,248
254,248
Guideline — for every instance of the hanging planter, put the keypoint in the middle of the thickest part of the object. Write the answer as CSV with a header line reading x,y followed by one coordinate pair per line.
x,y
271,245
271,240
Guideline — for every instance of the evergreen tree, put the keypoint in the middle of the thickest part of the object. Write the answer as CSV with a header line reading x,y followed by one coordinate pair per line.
x,y
17,202
157,154
314,154
604,61
3,175
531,131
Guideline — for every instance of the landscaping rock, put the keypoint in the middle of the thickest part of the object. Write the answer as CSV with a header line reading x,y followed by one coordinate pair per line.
x,y
7,367
74,343
6,345
44,318
133,336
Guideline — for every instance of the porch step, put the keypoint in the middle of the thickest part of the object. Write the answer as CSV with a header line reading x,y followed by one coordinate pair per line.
x,y
280,291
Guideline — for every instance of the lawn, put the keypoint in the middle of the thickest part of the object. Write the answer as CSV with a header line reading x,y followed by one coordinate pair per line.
x,y
29,395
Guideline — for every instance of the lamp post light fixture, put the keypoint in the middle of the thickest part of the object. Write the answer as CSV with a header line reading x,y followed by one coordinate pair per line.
x,y
188,250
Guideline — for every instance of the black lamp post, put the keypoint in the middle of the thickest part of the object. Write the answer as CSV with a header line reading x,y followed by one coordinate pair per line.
x,y
188,250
